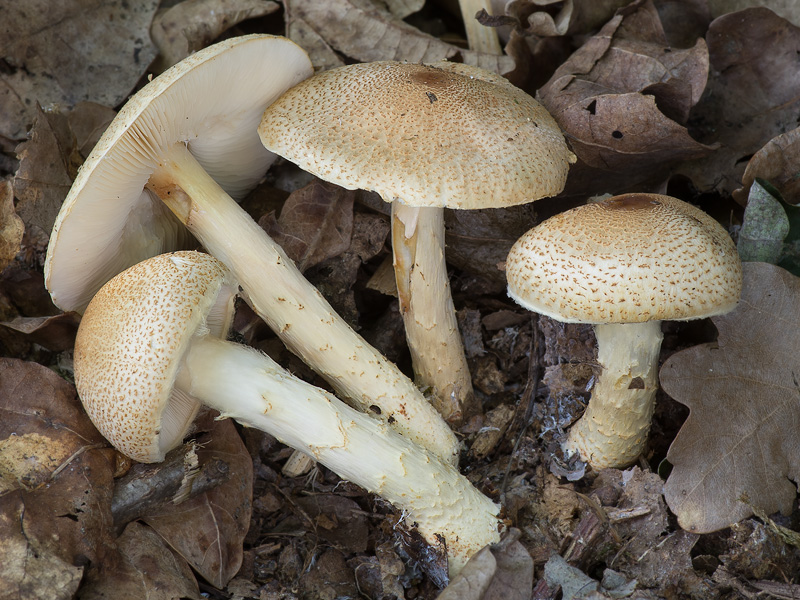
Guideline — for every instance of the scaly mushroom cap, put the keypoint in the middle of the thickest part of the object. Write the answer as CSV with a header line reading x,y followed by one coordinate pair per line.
x,y
211,101
628,259
440,135
136,330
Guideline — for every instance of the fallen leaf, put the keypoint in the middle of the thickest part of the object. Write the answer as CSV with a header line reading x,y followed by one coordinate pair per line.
x,y
739,447
144,568
502,571
339,521
764,228
56,333
48,163
191,25
56,481
777,162
571,16
315,224
63,53
89,121
746,103
622,97
208,530
788,9
360,30
11,227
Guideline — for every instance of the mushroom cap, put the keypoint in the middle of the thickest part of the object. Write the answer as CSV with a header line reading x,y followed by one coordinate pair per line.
x,y
130,342
628,259
439,135
211,101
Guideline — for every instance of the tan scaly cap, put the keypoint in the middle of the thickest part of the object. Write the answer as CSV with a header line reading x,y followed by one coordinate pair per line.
x,y
629,259
441,135
211,101
135,331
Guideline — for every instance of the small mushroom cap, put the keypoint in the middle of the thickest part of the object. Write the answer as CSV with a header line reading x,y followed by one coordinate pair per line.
x,y
211,101
440,135
129,347
628,259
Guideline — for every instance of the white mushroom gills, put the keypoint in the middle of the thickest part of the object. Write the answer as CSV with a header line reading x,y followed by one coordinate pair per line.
x,y
624,264
146,331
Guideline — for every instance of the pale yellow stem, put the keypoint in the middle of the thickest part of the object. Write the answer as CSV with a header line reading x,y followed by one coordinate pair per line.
x,y
426,304
294,308
613,430
247,386
480,38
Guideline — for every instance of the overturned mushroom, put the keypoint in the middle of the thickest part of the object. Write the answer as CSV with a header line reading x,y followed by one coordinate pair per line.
x,y
186,141
624,264
148,352
424,137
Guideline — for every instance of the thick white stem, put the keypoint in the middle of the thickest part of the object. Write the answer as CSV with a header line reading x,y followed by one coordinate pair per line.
x,y
437,351
247,386
294,308
613,430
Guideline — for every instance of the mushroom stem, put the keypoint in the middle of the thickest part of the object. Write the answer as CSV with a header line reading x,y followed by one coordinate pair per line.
x,y
479,37
423,289
294,308
249,387
613,430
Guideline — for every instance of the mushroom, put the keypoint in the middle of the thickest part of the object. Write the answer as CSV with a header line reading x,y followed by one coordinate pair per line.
x,y
185,142
149,352
624,264
424,137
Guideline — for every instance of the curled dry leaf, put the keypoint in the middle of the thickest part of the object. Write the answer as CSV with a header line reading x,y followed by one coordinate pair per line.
x,y
622,96
64,52
145,565
788,9
11,226
208,530
777,163
191,25
358,29
55,484
739,447
752,94
48,162
572,16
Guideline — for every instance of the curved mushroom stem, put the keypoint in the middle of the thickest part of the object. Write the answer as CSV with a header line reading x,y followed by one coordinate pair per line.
x,y
249,387
293,307
613,430
423,289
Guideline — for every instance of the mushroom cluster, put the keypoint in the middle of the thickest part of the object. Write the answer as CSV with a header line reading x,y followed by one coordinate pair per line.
x,y
624,264
169,167
150,350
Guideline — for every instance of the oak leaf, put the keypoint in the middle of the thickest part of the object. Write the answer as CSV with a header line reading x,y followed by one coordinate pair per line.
x,y
739,447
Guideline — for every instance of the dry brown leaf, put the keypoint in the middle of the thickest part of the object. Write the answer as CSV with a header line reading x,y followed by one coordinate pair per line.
x,y
208,530
191,25
572,16
89,121
11,227
788,9
315,224
752,95
622,96
337,520
322,56
478,241
56,480
63,52
56,333
145,568
777,162
739,447
48,163
358,29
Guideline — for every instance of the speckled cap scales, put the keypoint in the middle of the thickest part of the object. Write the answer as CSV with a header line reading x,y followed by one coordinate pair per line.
x,y
629,259
441,135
